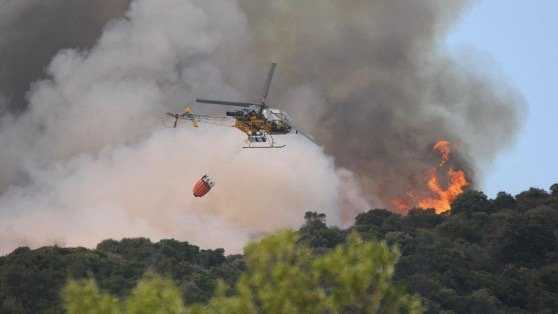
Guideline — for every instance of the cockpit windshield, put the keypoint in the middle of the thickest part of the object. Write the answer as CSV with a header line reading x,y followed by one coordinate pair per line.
x,y
277,115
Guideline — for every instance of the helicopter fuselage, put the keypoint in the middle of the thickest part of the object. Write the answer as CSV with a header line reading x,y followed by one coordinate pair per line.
x,y
270,121
256,120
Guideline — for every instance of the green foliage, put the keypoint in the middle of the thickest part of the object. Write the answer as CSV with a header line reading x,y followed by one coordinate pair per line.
x,y
285,277
526,243
422,219
469,202
315,232
504,201
375,223
487,256
532,198
155,295
152,295
31,280
282,276
85,298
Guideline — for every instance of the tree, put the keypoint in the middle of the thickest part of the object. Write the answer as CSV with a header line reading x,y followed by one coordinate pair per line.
x,y
375,217
152,295
83,297
283,276
547,284
315,218
423,218
504,201
482,301
469,202
375,223
317,234
155,295
527,243
460,228
531,198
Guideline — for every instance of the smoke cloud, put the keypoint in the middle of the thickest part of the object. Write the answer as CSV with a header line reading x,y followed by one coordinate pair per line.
x,y
33,31
372,82
86,157
144,189
90,159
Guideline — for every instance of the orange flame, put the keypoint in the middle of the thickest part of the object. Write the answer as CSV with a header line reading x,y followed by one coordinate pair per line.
x,y
443,147
400,204
440,197
443,198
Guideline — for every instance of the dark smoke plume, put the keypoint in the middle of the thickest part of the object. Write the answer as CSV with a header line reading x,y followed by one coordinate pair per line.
x,y
32,32
372,81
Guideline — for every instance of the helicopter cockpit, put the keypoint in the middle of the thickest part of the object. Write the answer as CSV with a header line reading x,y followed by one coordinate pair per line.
x,y
280,121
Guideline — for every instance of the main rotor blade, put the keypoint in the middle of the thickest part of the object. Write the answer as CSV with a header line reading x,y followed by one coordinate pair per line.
x,y
227,103
268,81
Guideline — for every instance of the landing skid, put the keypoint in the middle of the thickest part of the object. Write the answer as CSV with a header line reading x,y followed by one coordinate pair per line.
x,y
263,147
262,139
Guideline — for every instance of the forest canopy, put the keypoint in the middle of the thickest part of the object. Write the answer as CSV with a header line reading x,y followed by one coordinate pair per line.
x,y
484,256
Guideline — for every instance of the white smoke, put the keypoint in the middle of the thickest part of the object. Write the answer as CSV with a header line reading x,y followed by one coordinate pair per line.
x,y
90,160
145,189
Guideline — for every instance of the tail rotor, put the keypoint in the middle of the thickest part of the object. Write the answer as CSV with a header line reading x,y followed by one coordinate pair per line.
x,y
186,115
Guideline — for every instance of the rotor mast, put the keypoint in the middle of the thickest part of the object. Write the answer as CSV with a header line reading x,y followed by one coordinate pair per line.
x,y
268,85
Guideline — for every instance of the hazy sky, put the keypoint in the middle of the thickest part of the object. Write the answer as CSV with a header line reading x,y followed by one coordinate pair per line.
x,y
521,38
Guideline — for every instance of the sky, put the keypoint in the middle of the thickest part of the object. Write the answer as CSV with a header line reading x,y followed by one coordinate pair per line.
x,y
522,41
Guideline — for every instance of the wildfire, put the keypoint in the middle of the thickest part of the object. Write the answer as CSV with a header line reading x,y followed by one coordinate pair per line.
x,y
440,197
443,147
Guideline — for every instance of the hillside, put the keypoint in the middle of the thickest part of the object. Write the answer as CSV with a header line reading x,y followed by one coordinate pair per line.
x,y
486,256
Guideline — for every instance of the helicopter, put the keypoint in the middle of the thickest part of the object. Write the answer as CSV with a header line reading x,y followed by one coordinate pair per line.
x,y
257,120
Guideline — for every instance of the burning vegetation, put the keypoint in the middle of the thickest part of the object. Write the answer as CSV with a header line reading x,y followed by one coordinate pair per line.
x,y
440,194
